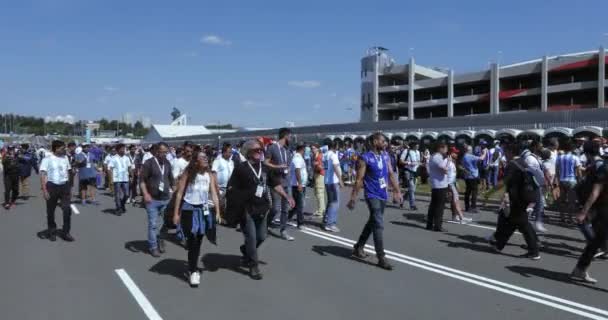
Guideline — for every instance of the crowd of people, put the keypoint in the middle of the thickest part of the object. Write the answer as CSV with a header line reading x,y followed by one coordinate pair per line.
x,y
261,184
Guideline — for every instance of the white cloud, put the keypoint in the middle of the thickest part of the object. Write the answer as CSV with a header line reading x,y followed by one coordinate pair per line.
x,y
215,40
305,84
110,89
68,118
316,106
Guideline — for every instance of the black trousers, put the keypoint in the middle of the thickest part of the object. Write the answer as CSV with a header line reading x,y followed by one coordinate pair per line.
x,y
600,228
434,218
11,188
374,226
58,193
133,188
193,242
517,220
470,194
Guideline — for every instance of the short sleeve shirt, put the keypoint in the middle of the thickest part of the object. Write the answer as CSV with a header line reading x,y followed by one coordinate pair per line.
x,y
56,169
120,168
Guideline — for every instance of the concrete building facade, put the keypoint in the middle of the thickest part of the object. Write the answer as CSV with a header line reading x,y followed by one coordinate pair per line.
x,y
391,91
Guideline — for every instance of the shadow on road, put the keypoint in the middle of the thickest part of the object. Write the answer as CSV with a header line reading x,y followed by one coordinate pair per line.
x,y
215,261
407,224
338,251
137,246
172,267
485,248
529,272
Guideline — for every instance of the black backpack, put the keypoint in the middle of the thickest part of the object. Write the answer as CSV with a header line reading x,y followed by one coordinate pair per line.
x,y
528,188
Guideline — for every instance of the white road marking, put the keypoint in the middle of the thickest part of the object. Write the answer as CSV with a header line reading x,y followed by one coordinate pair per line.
x,y
527,294
139,296
74,209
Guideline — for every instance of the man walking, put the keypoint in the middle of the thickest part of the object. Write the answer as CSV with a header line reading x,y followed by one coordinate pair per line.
x,y
373,174
568,170
410,160
87,174
333,182
27,162
278,158
54,178
470,163
157,182
319,180
298,179
120,168
438,174
10,165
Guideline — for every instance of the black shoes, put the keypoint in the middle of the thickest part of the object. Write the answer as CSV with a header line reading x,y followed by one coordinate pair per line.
x,y
255,274
359,253
155,253
66,236
52,235
161,245
384,264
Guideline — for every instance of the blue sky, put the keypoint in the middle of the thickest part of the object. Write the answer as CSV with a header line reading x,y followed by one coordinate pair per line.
x,y
257,63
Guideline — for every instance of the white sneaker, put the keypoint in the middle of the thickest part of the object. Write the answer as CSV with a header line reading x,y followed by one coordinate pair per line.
x,y
539,227
195,279
129,201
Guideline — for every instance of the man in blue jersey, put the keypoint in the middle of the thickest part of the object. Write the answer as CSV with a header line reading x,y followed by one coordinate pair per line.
x,y
374,173
567,171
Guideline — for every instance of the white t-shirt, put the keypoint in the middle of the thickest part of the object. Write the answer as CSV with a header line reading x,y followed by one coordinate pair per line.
x,y
223,168
298,163
56,168
147,156
331,159
549,164
451,172
179,165
120,168
197,193
107,160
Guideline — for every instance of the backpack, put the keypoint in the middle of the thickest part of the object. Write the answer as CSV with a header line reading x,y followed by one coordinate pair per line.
x,y
529,187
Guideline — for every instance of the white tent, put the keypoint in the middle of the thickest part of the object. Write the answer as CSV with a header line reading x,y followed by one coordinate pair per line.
x,y
160,132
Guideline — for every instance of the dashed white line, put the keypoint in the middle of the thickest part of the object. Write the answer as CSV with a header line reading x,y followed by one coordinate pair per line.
x,y
75,209
139,296
527,294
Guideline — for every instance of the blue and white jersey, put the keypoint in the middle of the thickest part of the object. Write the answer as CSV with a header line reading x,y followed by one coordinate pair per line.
x,y
56,169
120,168
329,160
567,164
376,177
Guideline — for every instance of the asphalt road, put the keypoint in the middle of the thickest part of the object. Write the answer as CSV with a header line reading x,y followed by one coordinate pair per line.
x,y
107,274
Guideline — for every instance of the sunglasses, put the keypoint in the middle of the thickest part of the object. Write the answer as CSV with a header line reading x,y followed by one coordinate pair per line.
x,y
258,150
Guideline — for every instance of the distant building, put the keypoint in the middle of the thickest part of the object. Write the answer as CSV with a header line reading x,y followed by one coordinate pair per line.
x,y
391,91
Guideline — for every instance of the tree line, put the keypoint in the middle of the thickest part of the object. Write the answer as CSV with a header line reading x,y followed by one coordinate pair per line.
x,y
11,123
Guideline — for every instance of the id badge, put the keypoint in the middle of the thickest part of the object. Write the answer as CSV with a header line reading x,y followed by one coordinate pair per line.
x,y
286,171
206,210
88,165
382,183
161,186
259,191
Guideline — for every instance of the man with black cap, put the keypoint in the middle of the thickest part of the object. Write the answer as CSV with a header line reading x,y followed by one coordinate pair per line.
x,y
409,161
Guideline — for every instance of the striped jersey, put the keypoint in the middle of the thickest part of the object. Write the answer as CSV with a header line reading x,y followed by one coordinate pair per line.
x,y
566,165
56,168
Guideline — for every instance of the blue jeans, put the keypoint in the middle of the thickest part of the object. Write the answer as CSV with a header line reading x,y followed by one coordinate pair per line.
x,y
121,193
411,191
333,204
374,225
155,210
493,176
280,206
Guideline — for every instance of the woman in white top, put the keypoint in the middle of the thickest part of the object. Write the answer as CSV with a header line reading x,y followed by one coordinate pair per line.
x,y
195,186
453,187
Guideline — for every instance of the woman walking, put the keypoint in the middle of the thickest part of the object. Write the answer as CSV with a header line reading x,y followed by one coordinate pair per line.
x,y
194,214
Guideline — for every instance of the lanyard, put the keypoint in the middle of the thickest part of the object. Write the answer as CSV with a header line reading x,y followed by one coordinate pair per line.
x,y
283,154
161,168
379,159
257,175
